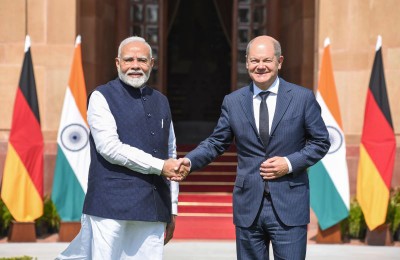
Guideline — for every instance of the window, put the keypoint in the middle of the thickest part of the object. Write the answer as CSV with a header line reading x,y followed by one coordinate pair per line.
x,y
144,22
251,22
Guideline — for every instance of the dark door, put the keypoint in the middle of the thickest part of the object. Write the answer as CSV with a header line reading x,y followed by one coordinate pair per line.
x,y
199,66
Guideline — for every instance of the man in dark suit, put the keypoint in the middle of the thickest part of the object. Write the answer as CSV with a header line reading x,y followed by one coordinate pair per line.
x,y
276,142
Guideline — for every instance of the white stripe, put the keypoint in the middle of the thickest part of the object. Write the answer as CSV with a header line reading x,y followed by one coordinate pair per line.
x,y
335,163
78,160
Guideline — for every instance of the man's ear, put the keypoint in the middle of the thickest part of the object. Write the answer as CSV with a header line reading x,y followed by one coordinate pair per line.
x,y
117,62
152,62
280,62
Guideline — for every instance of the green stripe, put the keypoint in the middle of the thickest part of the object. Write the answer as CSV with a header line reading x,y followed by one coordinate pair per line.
x,y
67,192
325,199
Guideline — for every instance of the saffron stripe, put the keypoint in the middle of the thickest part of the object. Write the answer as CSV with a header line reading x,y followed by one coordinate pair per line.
x,y
327,87
77,82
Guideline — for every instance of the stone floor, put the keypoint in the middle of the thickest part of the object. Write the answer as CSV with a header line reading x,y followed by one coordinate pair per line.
x,y
47,247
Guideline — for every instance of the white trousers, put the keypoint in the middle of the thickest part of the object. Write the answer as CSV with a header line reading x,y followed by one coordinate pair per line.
x,y
109,239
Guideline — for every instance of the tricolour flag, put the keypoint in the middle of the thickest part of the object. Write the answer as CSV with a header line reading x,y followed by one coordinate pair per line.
x,y
377,148
329,180
73,154
22,185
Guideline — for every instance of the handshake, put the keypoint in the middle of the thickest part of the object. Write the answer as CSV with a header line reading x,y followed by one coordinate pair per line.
x,y
176,170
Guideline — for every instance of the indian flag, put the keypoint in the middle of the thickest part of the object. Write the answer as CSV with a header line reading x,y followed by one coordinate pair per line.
x,y
329,181
73,154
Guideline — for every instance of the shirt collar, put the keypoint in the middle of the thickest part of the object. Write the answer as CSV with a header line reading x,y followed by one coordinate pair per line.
x,y
273,88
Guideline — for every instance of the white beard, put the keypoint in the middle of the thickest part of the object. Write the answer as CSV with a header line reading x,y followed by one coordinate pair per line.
x,y
134,82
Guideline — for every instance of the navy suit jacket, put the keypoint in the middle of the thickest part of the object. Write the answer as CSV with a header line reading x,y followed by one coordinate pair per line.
x,y
298,132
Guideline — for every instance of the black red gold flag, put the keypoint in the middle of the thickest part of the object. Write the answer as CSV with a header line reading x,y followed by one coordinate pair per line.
x,y
377,148
22,185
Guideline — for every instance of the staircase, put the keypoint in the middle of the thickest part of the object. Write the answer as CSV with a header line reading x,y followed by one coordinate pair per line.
x,y
205,199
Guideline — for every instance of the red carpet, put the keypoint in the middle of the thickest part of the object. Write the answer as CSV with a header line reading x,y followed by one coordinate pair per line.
x,y
204,228
205,200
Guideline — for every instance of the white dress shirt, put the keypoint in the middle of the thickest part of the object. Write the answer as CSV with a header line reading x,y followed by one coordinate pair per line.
x,y
271,104
104,131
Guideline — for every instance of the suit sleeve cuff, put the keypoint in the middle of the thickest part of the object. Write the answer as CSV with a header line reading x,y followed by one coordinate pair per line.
x,y
289,165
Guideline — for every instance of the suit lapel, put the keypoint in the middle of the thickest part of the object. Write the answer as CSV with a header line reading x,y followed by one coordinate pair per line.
x,y
282,103
247,105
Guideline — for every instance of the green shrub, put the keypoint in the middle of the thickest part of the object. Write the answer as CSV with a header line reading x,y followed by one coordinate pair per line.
x,y
5,219
356,223
18,258
49,222
393,216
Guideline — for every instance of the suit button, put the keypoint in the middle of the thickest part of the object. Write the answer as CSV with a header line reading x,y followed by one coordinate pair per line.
x,y
155,188
144,98
148,115
154,150
152,133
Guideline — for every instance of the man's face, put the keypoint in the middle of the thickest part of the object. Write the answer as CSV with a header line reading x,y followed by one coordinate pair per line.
x,y
262,64
135,64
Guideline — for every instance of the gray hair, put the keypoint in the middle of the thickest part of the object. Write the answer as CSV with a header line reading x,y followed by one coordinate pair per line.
x,y
133,39
277,48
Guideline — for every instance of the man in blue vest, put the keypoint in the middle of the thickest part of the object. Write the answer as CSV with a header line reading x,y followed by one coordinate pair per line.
x,y
130,205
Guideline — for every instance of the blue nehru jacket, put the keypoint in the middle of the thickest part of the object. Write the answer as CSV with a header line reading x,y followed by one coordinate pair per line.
x,y
143,121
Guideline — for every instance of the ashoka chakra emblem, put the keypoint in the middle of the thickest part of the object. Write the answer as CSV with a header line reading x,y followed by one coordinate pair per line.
x,y
74,137
336,139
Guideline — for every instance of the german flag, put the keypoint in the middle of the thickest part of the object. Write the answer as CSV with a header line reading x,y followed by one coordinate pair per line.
x,y
377,148
22,185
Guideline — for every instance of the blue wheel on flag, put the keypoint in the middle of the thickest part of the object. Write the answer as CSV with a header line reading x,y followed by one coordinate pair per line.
x,y
74,137
336,139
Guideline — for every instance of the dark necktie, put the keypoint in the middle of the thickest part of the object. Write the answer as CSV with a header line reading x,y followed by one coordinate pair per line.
x,y
263,126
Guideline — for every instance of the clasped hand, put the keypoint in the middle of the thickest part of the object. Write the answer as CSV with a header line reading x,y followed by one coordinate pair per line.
x,y
176,170
274,168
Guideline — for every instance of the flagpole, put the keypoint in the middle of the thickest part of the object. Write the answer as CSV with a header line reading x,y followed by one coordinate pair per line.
x,y
26,17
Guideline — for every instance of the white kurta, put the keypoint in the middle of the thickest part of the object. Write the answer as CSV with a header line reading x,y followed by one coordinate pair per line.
x,y
109,239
